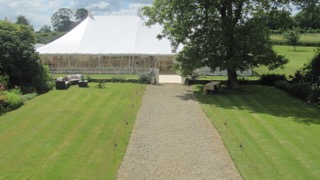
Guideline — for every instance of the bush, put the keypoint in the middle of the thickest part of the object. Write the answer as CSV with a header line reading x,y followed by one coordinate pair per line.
x,y
13,100
283,85
300,90
89,78
145,79
118,79
270,79
27,97
314,97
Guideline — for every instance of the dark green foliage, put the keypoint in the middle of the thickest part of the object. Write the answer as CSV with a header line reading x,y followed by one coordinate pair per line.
x,y
292,37
145,79
283,85
81,14
45,29
314,97
276,19
308,18
271,79
220,34
62,20
18,59
300,90
315,67
22,20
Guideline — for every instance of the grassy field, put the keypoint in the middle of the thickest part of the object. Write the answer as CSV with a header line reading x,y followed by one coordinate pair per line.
x,y
306,37
279,135
296,58
69,134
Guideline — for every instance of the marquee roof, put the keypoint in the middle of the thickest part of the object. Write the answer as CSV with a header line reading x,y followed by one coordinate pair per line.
x,y
110,35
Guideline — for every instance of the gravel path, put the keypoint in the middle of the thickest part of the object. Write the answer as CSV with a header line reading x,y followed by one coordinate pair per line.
x,y
174,139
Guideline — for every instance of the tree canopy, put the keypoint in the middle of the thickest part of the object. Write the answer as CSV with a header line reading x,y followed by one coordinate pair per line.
x,y
81,14
218,34
22,20
63,19
292,37
18,59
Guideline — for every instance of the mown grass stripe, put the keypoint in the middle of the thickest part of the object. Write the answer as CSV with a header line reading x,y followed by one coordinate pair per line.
x,y
275,129
67,140
272,133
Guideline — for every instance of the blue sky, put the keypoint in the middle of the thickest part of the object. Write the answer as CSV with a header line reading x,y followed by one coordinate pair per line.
x,y
38,12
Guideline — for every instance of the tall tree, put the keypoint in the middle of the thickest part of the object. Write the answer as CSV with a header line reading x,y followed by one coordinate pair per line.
x,y
309,16
45,29
308,19
277,18
22,20
62,20
292,37
81,14
221,34
18,59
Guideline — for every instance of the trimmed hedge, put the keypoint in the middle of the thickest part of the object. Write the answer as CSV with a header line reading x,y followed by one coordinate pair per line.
x,y
271,79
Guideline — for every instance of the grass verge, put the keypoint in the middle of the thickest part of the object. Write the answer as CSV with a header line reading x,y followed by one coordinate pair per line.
x,y
296,58
79,133
268,134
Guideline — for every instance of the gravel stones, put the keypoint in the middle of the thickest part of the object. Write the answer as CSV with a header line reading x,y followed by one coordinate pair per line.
x,y
174,139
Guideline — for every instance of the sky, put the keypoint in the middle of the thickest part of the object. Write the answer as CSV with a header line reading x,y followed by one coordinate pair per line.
x,y
39,12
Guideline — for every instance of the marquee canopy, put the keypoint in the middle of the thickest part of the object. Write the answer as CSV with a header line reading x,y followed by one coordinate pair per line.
x,y
111,35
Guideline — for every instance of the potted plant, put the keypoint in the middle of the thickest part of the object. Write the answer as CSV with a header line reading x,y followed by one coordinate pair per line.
x,y
83,82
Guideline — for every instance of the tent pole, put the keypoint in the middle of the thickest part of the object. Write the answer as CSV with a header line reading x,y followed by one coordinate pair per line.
x,y
120,61
129,63
132,65
99,64
68,64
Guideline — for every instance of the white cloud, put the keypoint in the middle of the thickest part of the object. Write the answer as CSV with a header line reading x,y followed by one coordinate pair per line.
x,y
100,6
39,12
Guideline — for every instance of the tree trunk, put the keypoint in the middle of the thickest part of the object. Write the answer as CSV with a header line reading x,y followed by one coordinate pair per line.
x,y
232,82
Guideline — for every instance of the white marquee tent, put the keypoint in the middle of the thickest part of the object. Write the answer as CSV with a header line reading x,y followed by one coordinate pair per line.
x,y
110,35
109,43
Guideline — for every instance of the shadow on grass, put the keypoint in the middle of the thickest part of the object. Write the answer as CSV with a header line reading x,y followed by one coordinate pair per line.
x,y
262,99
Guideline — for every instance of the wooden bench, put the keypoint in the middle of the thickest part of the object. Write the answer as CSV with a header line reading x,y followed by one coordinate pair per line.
x,y
211,86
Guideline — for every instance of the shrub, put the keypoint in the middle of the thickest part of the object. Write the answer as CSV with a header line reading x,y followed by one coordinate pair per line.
x,y
89,78
283,85
145,79
27,97
118,79
13,100
270,79
300,90
314,97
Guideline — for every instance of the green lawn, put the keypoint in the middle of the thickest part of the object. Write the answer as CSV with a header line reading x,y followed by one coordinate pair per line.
x,y
306,37
279,134
69,134
296,58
